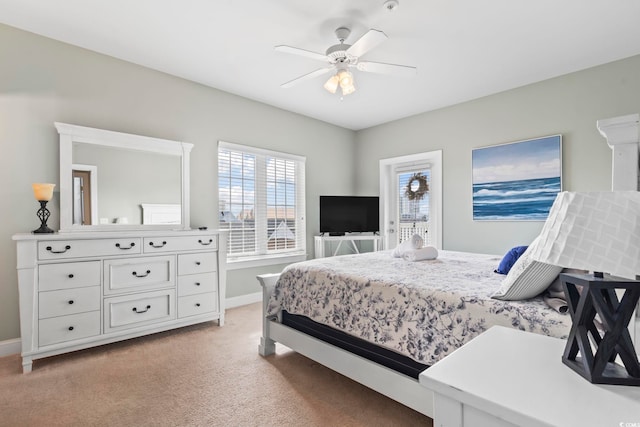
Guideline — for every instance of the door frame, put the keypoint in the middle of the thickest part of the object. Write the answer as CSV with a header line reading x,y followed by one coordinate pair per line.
x,y
388,194
93,189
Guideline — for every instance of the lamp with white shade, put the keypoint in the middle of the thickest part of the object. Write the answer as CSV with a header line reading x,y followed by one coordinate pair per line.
x,y
43,194
598,232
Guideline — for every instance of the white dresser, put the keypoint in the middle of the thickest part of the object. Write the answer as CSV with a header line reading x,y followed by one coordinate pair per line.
x,y
80,290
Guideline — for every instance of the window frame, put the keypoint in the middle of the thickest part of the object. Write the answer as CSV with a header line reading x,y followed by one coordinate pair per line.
x,y
278,257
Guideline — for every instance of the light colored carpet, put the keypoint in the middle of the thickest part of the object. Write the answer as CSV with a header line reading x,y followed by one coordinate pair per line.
x,y
202,375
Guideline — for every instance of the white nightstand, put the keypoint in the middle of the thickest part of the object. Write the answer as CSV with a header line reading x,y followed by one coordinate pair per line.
x,y
507,377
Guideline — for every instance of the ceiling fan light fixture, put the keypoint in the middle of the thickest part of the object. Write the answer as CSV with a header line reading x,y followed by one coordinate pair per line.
x,y
345,78
346,82
346,90
342,56
332,84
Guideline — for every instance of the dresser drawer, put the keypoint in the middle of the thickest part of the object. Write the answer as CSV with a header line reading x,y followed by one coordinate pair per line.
x,y
138,310
193,305
136,274
197,263
68,301
197,284
62,249
180,243
67,328
68,275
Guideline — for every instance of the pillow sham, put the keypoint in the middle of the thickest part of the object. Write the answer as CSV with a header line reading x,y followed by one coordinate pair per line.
x,y
509,259
527,278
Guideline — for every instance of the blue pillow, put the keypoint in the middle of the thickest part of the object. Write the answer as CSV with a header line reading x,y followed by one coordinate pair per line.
x,y
509,259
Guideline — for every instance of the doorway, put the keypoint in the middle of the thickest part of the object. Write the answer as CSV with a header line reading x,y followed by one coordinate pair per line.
x,y
411,198
84,186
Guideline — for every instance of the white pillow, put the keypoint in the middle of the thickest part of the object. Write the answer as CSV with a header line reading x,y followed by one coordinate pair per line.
x,y
415,242
425,253
527,278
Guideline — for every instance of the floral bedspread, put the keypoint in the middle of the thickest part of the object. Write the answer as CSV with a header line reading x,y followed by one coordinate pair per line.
x,y
424,310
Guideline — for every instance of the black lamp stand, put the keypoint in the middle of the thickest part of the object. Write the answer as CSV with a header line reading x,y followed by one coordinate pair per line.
x,y
43,214
600,344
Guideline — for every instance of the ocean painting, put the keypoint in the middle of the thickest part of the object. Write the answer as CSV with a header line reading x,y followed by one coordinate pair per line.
x,y
517,181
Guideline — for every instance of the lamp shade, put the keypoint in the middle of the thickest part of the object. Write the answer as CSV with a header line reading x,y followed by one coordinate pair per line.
x,y
332,84
43,192
346,82
594,231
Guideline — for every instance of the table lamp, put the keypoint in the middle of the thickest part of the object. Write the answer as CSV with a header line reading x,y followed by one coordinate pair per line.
x,y
598,232
43,193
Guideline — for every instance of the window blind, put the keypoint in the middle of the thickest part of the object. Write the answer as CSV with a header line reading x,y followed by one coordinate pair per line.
x,y
262,201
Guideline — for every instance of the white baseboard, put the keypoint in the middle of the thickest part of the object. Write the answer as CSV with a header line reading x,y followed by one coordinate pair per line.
x,y
12,346
243,300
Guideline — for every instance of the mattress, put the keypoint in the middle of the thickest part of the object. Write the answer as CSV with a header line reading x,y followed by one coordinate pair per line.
x,y
389,358
423,310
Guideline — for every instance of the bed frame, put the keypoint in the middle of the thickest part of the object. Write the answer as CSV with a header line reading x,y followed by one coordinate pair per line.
x,y
622,135
399,387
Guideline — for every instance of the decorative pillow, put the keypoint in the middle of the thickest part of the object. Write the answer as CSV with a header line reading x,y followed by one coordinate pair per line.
x,y
527,278
509,259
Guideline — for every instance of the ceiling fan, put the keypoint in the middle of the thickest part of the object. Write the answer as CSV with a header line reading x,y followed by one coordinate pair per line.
x,y
341,57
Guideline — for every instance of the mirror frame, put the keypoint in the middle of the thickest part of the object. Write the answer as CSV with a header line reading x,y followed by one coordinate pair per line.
x,y
70,134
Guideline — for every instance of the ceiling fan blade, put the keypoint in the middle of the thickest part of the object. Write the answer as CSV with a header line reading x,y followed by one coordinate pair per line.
x,y
367,42
311,75
301,52
382,68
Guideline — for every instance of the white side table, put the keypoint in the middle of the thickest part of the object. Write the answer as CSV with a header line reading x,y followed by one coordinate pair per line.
x,y
507,377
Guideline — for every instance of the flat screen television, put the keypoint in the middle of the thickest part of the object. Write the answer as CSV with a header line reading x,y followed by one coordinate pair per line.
x,y
349,214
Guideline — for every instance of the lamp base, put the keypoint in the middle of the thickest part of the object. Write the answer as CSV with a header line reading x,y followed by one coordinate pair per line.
x,y
43,229
600,344
612,373
43,215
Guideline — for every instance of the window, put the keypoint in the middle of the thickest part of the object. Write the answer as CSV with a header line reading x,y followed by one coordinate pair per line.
x,y
262,202
413,214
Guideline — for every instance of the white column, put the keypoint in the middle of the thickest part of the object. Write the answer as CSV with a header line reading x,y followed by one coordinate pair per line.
x,y
622,135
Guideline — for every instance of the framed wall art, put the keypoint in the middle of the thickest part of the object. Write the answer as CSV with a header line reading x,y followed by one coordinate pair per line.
x,y
517,181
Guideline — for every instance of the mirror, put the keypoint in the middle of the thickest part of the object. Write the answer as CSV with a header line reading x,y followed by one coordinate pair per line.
x,y
115,181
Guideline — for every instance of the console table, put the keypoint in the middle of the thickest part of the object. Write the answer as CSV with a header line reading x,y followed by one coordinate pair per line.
x,y
350,239
507,377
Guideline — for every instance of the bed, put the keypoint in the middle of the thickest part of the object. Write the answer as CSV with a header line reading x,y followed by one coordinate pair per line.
x,y
301,310
394,316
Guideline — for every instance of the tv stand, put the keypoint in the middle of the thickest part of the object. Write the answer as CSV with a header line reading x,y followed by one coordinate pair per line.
x,y
350,239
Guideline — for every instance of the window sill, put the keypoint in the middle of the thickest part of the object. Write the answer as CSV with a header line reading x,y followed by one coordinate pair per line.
x,y
241,263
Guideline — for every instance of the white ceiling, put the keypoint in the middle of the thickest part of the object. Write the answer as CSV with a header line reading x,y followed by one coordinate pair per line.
x,y
463,49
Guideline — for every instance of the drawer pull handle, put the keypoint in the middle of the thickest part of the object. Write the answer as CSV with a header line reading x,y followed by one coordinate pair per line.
x,y
135,309
70,276
157,246
197,262
50,249
132,244
141,275
71,328
205,243
70,301
197,283
197,304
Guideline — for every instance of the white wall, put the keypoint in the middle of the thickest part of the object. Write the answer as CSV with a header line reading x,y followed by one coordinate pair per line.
x,y
567,105
43,81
